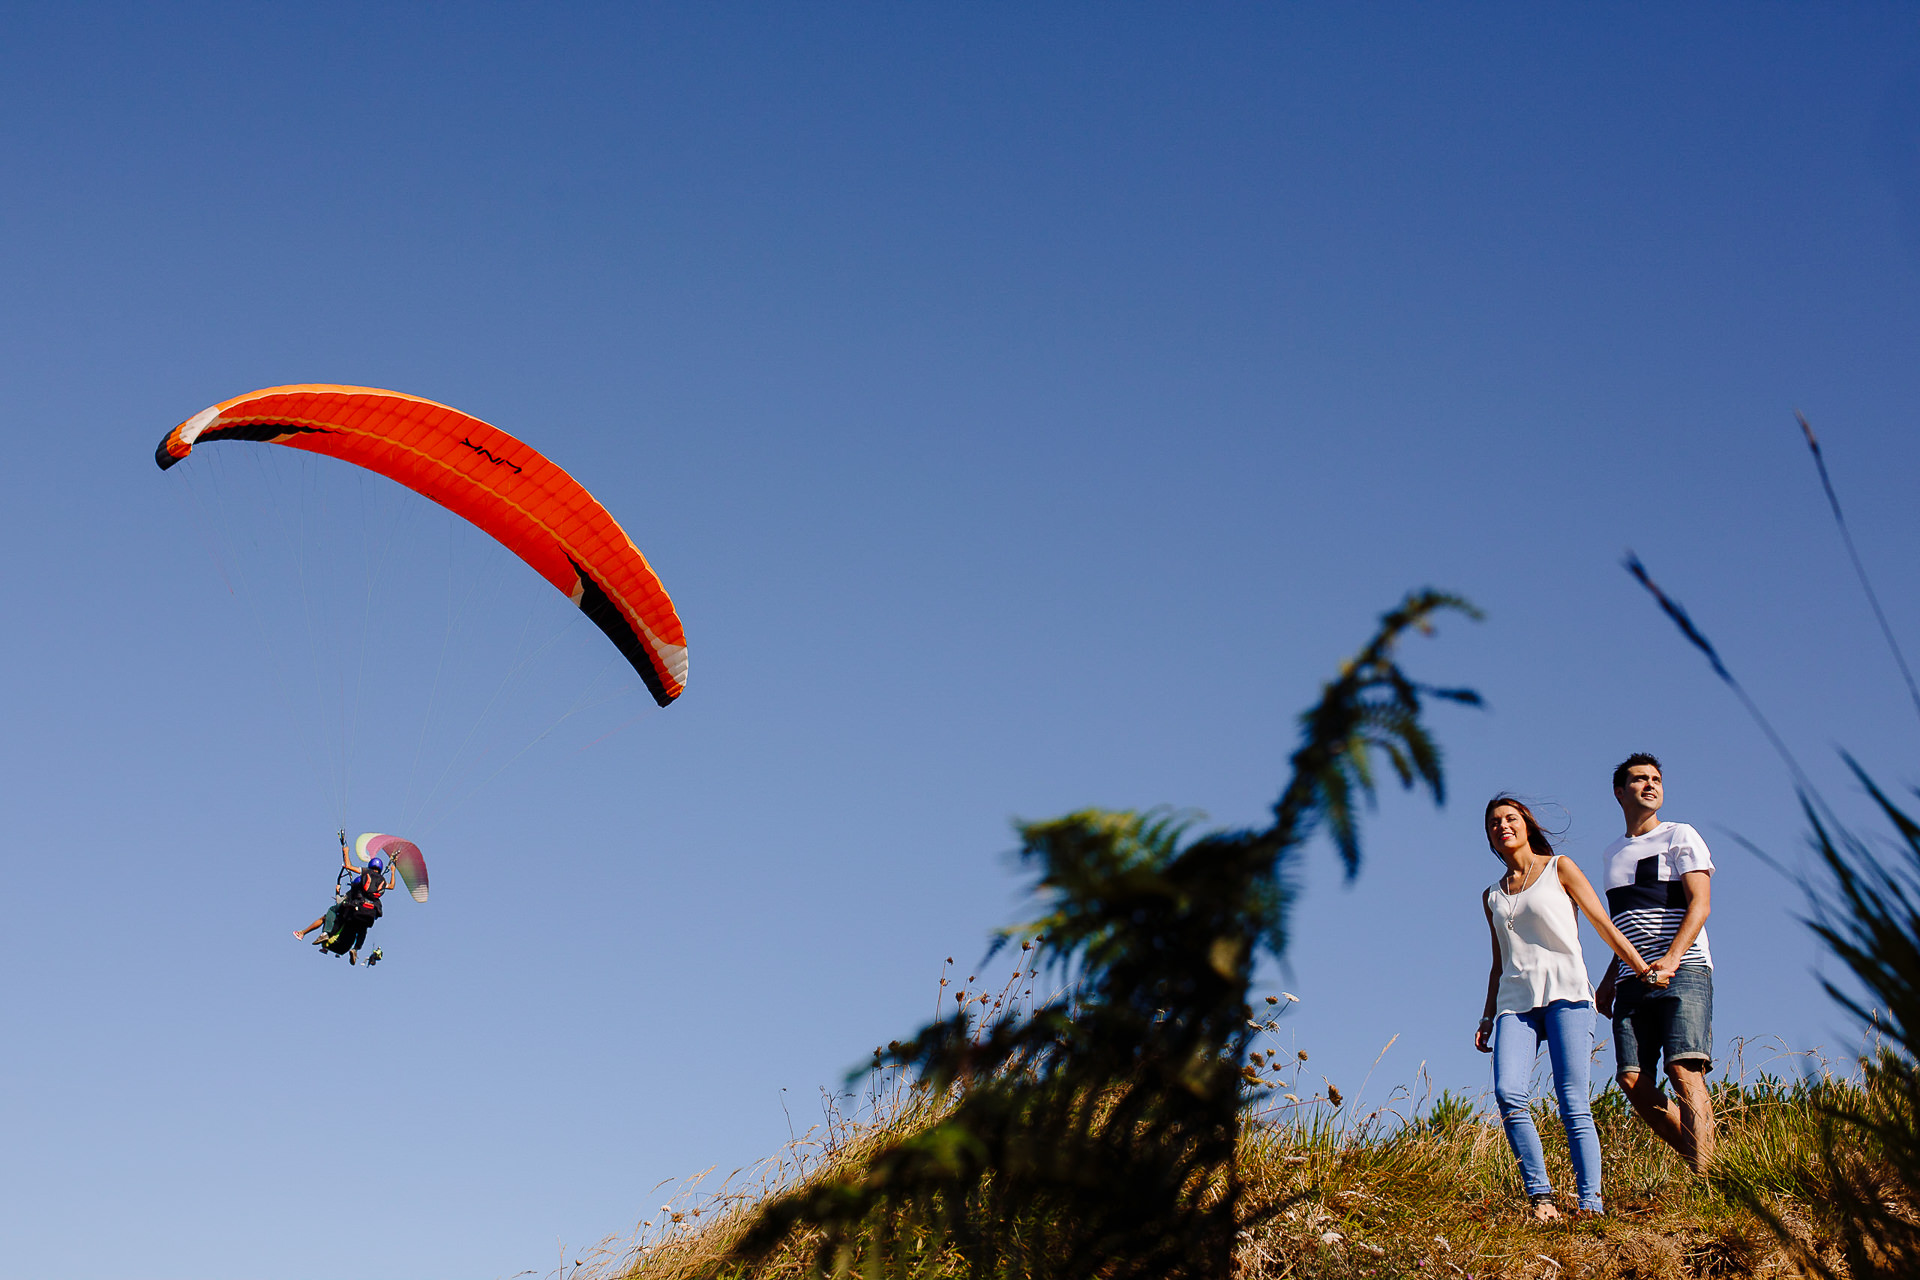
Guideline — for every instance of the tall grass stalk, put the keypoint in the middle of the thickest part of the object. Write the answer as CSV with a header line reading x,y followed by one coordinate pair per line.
x,y
1863,1178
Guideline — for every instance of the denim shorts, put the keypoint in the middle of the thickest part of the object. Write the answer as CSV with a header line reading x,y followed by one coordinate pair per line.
x,y
1675,1020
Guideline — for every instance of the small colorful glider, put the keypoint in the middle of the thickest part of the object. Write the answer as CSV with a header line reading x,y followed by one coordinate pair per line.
x,y
403,855
480,473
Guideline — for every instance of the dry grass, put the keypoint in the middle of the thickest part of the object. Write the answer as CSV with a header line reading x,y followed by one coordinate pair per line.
x,y
694,1232
1445,1200
1416,1187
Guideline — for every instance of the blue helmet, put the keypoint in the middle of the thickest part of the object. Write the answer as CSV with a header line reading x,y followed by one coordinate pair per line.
x,y
375,864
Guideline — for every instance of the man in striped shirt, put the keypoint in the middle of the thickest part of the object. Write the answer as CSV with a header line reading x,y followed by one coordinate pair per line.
x,y
1659,892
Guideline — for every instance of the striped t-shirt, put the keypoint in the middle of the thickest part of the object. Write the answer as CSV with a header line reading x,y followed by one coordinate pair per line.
x,y
1645,895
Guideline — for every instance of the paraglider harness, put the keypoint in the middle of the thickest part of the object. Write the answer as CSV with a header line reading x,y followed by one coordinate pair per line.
x,y
356,905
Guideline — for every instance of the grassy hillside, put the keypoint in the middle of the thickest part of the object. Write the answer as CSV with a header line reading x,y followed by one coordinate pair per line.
x,y
1131,1128
1400,1191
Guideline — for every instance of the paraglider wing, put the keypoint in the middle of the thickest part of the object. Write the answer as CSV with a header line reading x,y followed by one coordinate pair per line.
x,y
404,856
412,868
366,846
502,486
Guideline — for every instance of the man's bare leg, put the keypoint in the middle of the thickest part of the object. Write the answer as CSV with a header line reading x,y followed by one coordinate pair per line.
x,y
301,933
1696,1113
1661,1113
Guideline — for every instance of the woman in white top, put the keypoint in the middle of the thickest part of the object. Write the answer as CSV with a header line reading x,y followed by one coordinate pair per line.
x,y
1538,990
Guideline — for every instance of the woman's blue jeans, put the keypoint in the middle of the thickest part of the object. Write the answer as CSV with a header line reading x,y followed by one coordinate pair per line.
x,y
1567,1027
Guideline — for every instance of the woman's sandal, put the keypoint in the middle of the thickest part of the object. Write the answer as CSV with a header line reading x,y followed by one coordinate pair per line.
x,y
1542,1208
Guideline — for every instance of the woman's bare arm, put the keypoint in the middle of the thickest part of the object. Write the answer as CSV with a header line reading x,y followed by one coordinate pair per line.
x,y
1483,1038
1575,882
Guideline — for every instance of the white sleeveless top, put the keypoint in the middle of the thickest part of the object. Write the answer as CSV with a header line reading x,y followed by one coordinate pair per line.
x,y
1539,934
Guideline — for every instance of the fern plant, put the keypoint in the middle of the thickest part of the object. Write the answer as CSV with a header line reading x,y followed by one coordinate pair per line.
x,y
1096,1135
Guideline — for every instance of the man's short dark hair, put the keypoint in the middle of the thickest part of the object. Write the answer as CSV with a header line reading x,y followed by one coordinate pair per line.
x,y
1638,757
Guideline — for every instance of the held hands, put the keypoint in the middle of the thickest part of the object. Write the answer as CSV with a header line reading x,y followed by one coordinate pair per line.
x,y
1654,975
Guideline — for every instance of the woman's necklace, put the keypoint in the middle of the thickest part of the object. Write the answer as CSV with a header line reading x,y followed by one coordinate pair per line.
x,y
1527,880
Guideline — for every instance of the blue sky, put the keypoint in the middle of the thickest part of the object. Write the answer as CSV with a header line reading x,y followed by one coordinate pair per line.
x,y
1026,411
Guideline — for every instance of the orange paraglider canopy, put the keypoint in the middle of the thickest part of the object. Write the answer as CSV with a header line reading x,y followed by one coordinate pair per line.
x,y
480,473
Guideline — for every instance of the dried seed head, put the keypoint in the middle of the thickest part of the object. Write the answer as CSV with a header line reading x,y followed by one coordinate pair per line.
x,y
1303,1055
1273,999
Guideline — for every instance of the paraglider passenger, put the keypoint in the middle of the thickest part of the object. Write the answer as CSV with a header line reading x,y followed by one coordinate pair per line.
x,y
344,926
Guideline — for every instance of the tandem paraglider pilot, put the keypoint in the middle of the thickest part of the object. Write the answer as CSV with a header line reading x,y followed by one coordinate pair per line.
x,y
344,926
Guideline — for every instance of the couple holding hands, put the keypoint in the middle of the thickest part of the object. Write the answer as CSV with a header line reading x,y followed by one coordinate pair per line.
x,y
1657,880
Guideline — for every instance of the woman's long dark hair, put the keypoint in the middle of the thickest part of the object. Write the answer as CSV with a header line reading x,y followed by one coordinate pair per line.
x,y
1536,836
